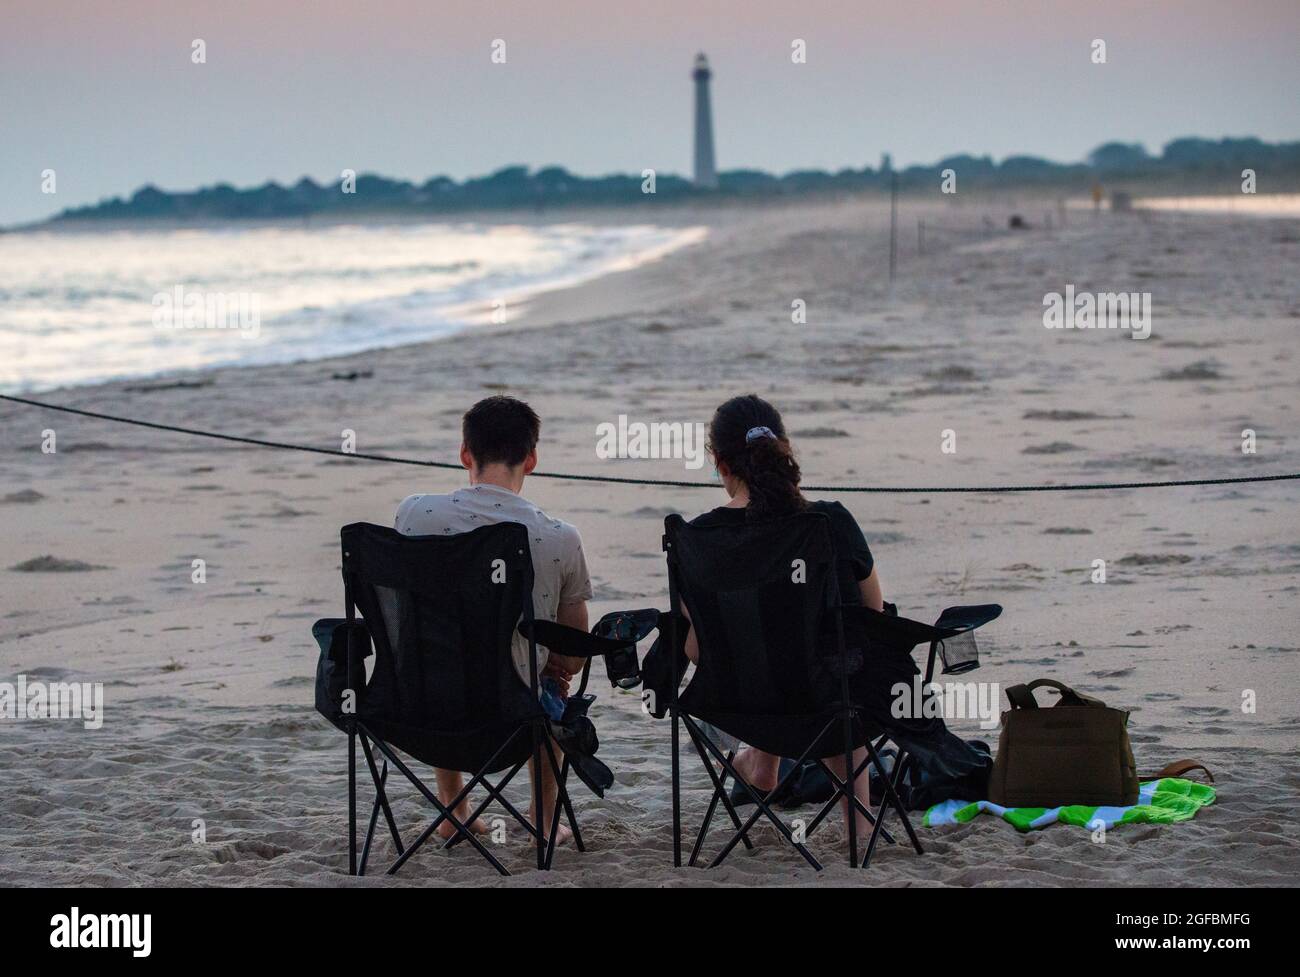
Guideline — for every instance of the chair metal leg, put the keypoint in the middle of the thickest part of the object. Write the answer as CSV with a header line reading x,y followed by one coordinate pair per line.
x,y
731,811
829,806
677,795
851,797
374,819
545,844
841,791
561,801
352,799
871,841
380,794
719,785
494,794
761,802
568,804
444,812
424,836
899,759
902,811
891,798
537,795
719,794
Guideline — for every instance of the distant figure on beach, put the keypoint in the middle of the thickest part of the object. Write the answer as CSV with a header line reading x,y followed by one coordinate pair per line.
x,y
756,464
499,449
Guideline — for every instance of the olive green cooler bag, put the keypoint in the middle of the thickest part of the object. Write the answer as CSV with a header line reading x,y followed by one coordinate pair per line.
x,y
1076,752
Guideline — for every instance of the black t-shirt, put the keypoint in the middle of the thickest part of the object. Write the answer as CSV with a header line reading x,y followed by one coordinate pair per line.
x,y
850,546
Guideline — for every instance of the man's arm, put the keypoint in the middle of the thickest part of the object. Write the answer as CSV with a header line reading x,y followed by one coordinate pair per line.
x,y
572,615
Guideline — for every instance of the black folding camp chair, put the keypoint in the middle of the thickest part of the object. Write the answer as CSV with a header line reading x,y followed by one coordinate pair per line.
x,y
774,670
439,613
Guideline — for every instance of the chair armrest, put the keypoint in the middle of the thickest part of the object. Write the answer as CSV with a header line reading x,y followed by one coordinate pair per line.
x,y
871,624
571,642
630,626
955,620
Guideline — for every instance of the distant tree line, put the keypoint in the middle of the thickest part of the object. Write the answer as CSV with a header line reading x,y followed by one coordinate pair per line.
x,y
1203,161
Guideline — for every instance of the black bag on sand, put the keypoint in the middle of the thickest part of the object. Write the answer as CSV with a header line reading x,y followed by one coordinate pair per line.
x,y
1077,752
921,789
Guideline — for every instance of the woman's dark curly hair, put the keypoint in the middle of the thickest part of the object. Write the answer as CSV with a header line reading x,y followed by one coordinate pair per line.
x,y
748,436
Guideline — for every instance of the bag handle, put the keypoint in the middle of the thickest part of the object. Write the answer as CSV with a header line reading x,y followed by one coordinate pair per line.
x,y
1180,767
1022,696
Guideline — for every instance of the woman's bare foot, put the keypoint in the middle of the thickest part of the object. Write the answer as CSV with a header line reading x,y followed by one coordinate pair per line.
x,y
562,834
758,768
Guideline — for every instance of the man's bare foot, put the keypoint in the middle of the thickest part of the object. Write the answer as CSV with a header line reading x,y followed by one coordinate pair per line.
x,y
447,829
756,768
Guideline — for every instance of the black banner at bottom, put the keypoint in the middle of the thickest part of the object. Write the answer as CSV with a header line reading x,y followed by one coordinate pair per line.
x,y
140,927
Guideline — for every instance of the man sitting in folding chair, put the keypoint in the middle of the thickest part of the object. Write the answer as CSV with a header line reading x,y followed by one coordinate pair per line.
x,y
499,449
435,616
455,605
759,634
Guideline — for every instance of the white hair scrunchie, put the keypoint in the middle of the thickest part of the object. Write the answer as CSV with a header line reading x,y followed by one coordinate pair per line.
x,y
754,433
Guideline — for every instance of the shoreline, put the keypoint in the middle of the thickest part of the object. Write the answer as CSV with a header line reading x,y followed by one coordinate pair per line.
x,y
453,316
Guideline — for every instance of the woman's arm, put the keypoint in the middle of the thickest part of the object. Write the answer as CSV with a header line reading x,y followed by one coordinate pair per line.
x,y
692,646
872,595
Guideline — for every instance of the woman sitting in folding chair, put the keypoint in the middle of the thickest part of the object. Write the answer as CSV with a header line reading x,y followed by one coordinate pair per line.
x,y
756,464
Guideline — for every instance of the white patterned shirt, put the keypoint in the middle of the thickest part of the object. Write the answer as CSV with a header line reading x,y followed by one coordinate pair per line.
x,y
559,566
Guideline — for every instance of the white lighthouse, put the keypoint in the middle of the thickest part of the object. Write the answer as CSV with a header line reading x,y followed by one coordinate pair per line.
x,y
706,169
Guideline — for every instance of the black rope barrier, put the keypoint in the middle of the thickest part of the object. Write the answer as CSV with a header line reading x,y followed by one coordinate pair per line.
x,y
661,482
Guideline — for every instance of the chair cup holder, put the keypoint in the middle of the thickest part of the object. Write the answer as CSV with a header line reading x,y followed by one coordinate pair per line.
x,y
959,653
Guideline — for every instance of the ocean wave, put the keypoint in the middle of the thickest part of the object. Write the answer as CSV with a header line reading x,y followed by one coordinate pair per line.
x,y
88,307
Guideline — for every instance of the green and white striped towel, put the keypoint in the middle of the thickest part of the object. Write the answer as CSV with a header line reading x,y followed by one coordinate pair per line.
x,y
1159,802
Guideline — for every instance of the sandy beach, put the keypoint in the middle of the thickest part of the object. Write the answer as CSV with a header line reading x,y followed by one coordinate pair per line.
x,y
208,687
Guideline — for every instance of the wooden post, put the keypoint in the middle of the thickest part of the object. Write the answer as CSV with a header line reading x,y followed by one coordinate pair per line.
x,y
893,225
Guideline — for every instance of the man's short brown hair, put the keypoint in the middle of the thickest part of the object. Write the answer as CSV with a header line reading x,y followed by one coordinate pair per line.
x,y
500,429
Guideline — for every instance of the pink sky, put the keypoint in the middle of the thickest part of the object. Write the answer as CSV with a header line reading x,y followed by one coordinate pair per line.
x,y
106,94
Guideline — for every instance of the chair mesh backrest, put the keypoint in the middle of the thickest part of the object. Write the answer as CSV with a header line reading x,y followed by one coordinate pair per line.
x,y
441,611
762,599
